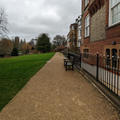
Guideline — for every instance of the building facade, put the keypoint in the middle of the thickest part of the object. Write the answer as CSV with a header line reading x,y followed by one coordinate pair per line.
x,y
72,36
101,27
79,30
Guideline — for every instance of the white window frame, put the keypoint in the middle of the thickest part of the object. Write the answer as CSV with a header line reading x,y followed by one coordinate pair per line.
x,y
80,33
86,2
73,28
79,36
87,25
111,7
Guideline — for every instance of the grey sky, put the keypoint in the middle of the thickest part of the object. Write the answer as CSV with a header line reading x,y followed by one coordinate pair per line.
x,y
28,18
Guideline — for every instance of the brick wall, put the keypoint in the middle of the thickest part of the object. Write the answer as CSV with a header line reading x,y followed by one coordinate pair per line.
x,y
85,12
101,35
98,24
113,32
100,46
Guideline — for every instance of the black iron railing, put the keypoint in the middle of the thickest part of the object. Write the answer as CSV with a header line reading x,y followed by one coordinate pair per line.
x,y
104,70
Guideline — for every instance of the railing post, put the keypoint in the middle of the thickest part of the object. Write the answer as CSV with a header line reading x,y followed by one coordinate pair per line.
x,y
80,59
97,67
118,72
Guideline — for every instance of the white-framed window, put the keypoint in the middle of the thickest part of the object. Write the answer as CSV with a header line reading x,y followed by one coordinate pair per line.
x,y
72,27
86,2
114,12
80,33
87,25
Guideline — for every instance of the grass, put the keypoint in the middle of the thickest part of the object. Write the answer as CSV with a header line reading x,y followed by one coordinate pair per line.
x,y
16,72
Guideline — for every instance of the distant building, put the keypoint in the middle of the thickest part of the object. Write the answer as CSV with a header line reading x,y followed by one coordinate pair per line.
x,y
16,42
79,30
72,35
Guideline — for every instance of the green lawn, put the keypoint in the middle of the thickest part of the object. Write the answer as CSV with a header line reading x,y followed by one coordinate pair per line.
x,y
15,73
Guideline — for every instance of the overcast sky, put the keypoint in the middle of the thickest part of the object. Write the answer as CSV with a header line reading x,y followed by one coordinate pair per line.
x,y
29,18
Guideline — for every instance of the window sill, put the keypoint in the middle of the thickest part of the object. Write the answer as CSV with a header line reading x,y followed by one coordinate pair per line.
x,y
112,26
86,37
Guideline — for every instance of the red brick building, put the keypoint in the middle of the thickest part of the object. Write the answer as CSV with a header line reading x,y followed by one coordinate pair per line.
x,y
72,36
101,27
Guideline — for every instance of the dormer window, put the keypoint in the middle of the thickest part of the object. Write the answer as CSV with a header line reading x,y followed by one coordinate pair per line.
x,y
114,12
86,2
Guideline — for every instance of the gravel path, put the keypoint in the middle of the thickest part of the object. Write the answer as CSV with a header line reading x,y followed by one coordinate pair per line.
x,y
54,94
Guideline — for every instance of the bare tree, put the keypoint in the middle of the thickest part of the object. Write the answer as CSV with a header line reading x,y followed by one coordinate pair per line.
x,y
59,40
6,47
3,23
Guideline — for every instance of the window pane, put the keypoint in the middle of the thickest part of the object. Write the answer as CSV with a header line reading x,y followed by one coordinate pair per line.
x,y
88,31
114,19
119,8
115,10
87,21
85,33
119,12
87,26
119,17
114,2
86,2
116,14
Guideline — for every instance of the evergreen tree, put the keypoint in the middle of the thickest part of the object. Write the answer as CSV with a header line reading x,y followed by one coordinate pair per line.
x,y
43,43
14,52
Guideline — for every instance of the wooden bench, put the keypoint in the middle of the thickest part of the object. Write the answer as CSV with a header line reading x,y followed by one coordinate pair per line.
x,y
65,61
69,63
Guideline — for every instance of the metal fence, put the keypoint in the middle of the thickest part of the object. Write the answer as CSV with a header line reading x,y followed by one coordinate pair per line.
x,y
104,70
